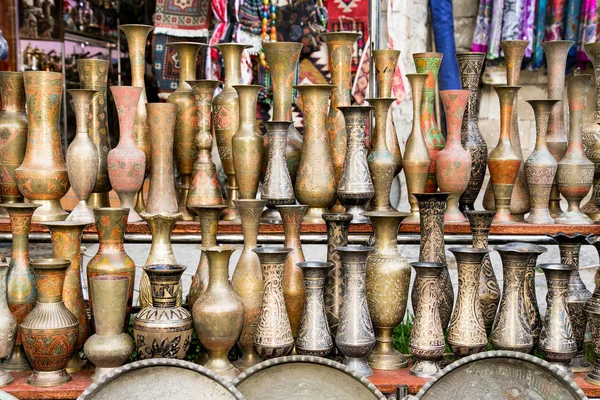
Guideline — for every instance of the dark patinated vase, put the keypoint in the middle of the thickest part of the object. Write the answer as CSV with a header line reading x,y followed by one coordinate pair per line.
x,y
591,136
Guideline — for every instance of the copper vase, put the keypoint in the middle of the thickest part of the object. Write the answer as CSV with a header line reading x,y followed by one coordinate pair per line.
x,y
470,66
540,167
591,136
429,63
504,161
247,143
466,333
273,336
21,288
453,163
575,173
8,325
186,123
50,330
42,177
247,280
592,312
93,74
219,313
13,127
382,163
387,280
226,120
416,154
315,184
489,291
82,157
126,162
426,342
205,189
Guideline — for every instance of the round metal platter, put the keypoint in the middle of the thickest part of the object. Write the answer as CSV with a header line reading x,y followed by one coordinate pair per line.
x,y
6,396
161,378
501,375
302,378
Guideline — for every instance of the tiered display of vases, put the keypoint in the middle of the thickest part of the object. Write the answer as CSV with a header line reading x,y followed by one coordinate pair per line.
x,y
591,136
8,325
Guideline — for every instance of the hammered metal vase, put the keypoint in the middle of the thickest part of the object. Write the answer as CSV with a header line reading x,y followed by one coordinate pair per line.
x,y
557,341
387,280
504,161
82,157
453,163
109,347
247,280
273,336
219,313
42,177
466,333
575,173
13,128
426,341
592,311
591,135
314,337
126,162
247,143
540,167
186,123
470,66
489,290
416,154
93,74
315,183
50,330
8,325
163,330
429,63
22,291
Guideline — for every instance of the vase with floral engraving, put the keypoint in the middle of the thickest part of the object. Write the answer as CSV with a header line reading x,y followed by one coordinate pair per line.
x,y
592,312
8,325
591,136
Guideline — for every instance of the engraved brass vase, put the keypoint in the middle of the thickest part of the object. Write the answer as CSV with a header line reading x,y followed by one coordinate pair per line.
x,y
592,311
8,325
591,136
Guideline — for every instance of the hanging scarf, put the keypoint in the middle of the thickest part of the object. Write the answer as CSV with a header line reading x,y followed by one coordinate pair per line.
x,y
554,19
511,20
526,25
481,35
588,28
443,31
571,27
540,30
495,29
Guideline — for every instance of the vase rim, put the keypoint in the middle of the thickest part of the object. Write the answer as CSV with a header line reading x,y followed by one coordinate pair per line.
x,y
106,209
428,264
355,107
434,195
383,51
355,249
20,206
272,250
593,240
93,60
11,73
239,45
82,224
250,202
428,54
396,214
187,43
556,267
50,263
315,264
283,44
164,269
551,42
77,90
221,248
342,217
216,81
577,237
118,278
469,250
470,53
480,212
249,86
314,85
48,73
135,26
325,35
592,46
521,247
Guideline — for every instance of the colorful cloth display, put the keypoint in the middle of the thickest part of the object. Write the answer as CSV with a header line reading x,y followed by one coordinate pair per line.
x,y
166,63
183,18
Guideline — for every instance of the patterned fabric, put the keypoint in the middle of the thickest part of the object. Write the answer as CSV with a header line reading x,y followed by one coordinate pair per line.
x,y
183,18
481,35
588,28
166,64
495,29
314,68
526,25
540,30
554,19
350,15
571,26
249,28
302,21
360,87
511,19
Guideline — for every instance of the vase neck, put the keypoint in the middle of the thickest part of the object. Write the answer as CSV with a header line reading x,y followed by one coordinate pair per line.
x,y
248,98
50,285
480,237
386,232
291,229
430,65
218,269
416,85
13,92
164,290
470,66
66,243
340,56
111,232
382,109
187,55
283,59
136,42
209,226
579,87
232,58
250,226
44,99
313,99
541,128
569,254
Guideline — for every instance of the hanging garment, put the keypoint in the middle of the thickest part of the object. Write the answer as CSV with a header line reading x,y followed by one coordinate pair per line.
x,y
588,28
190,18
481,35
443,30
540,31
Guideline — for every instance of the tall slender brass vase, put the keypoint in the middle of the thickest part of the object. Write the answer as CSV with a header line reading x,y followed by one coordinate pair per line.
x,y
8,325
591,135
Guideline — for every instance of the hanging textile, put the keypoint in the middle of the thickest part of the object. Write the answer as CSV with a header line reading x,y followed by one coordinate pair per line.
x,y
350,15
189,18
166,64
443,30
495,29
540,30
481,35
554,19
511,19
527,25
588,28
249,28
571,27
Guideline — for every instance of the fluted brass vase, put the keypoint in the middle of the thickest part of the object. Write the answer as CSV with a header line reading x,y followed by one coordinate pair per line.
x,y
591,136
8,325
592,311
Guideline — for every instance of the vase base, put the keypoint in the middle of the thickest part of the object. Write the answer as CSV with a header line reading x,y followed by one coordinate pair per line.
x,y
81,213
5,378
387,361
100,372
358,365
461,351
75,364
518,217
134,216
503,218
424,368
50,210
223,368
17,361
230,214
573,218
591,210
271,216
539,216
580,364
49,378
357,214
593,377
248,360
99,200
314,215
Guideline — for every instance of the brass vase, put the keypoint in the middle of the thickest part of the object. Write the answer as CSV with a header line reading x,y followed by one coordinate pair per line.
x,y
109,347
387,280
8,325
314,338
512,330
126,162
416,154
355,337
205,189
426,341
315,183
137,36
489,290
504,161
556,52
93,74
429,63
382,163
453,163
431,208
163,330
219,313
42,177
592,311
273,336
540,167
575,173
466,333
591,136
50,330
186,123
470,66
340,46
247,143
282,58
22,291
226,119
247,280
66,244
355,187
13,127
82,157
557,342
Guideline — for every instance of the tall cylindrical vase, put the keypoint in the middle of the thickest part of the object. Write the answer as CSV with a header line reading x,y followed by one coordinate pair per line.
x,y
592,312
591,136
8,325
42,177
